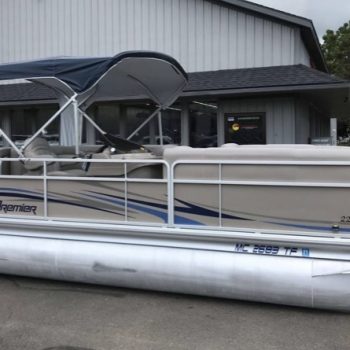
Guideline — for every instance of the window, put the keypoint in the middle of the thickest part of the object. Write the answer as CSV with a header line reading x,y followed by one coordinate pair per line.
x,y
106,116
203,124
122,120
149,134
25,122
245,128
136,115
171,120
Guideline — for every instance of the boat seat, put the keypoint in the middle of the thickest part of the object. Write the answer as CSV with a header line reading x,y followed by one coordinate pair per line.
x,y
67,173
158,150
134,170
40,148
69,151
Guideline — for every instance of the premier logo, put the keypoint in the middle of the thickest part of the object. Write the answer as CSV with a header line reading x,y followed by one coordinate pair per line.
x,y
17,208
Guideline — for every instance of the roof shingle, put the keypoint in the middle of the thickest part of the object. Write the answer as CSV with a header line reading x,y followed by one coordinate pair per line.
x,y
201,82
23,92
250,78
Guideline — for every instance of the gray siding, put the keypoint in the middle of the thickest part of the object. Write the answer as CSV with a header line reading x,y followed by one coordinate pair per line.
x,y
201,34
319,124
302,121
301,54
280,116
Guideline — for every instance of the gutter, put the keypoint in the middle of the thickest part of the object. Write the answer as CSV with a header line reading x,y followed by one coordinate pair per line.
x,y
27,103
204,93
272,89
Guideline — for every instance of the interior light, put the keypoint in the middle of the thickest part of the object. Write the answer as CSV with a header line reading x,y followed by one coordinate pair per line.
x,y
205,104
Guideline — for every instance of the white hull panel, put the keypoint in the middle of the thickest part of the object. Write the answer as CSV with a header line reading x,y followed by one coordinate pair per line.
x,y
180,266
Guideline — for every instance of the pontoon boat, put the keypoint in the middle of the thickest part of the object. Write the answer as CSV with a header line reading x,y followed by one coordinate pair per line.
x,y
261,223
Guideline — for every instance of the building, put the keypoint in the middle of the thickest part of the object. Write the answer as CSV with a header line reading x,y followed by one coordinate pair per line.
x,y
257,75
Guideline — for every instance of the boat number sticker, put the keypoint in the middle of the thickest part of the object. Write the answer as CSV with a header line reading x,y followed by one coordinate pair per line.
x,y
271,250
345,220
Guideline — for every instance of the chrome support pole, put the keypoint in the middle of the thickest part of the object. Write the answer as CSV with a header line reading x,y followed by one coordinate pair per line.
x,y
45,190
144,123
62,109
76,125
89,119
11,143
160,128
126,191
220,195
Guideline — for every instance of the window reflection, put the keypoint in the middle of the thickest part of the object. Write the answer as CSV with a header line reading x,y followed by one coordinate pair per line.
x,y
136,115
25,122
123,119
107,117
203,124
115,118
171,119
171,123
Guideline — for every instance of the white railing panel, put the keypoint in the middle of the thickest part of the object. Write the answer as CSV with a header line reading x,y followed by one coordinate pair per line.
x,y
48,178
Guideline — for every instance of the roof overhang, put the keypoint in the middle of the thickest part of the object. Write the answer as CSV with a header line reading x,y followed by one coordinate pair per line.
x,y
24,103
331,100
326,90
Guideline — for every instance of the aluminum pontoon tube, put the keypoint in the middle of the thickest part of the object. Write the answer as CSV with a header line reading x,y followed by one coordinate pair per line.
x,y
282,280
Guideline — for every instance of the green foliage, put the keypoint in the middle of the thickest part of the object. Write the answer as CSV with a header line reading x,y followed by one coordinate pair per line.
x,y
336,49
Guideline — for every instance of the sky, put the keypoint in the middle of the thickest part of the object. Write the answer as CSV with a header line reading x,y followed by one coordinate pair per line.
x,y
326,14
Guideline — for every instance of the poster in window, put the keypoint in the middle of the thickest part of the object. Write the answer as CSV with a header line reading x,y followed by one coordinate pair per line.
x,y
245,129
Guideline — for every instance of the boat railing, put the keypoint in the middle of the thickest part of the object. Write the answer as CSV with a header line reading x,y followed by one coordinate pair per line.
x,y
213,175
45,177
172,178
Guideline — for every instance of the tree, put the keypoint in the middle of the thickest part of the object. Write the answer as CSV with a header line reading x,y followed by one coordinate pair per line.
x,y
336,49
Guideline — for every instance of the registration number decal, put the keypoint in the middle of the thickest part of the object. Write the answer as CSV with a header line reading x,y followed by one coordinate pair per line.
x,y
345,220
260,249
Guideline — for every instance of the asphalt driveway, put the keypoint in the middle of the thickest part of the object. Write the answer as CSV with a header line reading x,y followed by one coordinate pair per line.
x,y
39,314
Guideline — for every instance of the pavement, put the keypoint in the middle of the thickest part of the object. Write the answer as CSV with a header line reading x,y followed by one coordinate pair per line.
x,y
49,315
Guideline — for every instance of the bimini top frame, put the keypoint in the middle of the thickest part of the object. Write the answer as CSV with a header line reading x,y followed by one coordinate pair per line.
x,y
134,73
83,81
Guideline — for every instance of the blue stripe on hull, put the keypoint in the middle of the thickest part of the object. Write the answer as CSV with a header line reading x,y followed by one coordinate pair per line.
x,y
155,209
